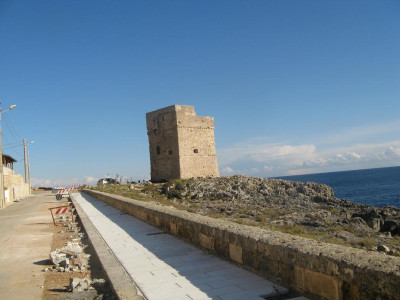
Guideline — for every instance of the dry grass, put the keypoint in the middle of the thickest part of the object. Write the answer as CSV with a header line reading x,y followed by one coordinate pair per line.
x,y
152,193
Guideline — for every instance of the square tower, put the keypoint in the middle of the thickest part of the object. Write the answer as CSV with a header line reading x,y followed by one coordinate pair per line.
x,y
182,145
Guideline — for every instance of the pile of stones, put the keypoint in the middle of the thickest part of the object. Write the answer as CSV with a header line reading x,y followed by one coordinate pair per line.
x,y
70,258
85,284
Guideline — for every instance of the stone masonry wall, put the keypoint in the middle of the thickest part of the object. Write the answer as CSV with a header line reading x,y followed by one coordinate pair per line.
x,y
181,144
15,185
163,144
196,147
318,270
20,191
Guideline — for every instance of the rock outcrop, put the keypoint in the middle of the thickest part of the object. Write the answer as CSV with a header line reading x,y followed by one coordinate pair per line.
x,y
276,202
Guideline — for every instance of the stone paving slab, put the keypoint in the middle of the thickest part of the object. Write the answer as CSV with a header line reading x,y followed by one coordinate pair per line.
x,y
165,267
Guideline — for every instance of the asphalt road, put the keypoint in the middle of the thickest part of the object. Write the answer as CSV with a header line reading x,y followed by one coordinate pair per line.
x,y
25,239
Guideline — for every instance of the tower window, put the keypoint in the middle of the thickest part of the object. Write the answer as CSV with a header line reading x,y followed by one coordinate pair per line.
x,y
170,152
158,150
196,150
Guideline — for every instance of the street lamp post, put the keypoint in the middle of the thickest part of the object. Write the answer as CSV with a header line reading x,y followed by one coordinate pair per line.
x,y
29,176
2,199
26,164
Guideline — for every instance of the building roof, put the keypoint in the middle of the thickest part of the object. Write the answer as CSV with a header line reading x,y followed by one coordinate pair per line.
x,y
8,158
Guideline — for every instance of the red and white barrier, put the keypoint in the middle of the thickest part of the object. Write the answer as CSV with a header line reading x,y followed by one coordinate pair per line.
x,y
65,191
61,210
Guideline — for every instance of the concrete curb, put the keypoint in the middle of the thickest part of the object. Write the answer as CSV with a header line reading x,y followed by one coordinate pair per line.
x,y
121,283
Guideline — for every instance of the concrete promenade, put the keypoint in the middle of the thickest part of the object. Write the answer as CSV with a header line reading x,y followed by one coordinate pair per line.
x,y
25,239
165,267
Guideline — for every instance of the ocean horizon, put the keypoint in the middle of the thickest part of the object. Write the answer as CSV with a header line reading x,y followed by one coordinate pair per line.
x,y
377,187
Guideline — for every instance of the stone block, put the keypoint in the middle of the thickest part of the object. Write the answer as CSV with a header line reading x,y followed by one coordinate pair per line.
x,y
326,286
174,228
206,241
236,253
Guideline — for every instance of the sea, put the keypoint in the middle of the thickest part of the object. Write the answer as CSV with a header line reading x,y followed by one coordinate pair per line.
x,y
376,187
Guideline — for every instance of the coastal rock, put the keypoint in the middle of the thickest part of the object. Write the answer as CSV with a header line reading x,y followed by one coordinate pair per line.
x,y
345,235
359,224
372,218
391,226
316,204
383,248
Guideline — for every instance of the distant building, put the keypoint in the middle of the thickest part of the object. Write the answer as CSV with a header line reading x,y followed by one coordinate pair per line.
x,y
181,144
14,186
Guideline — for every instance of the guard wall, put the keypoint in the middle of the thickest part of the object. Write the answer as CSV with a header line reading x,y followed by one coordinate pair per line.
x,y
318,270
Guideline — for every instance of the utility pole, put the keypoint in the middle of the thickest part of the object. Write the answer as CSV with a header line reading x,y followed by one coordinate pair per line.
x,y
25,163
29,176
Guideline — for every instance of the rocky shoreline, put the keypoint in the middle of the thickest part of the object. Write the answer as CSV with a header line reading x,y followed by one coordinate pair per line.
x,y
306,209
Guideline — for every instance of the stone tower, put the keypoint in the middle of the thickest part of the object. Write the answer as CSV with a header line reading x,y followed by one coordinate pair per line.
x,y
181,144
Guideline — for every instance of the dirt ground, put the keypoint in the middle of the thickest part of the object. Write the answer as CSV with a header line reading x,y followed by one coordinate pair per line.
x,y
57,283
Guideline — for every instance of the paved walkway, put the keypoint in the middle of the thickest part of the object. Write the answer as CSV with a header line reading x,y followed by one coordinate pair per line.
x,y
25,239
165,267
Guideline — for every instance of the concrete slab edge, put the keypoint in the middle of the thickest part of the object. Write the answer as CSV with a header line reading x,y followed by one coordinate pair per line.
x,y
122,284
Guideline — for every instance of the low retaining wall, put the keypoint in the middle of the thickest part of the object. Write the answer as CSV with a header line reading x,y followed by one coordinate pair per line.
x,y
319,270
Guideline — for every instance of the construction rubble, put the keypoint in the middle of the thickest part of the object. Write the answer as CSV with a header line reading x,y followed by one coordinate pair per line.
x,y
71,257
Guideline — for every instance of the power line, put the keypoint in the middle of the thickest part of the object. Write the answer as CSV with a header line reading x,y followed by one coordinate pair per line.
x,y
12,148
9,146
11,130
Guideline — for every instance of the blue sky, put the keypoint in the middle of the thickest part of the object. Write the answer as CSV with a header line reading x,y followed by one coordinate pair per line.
x,y
295,87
